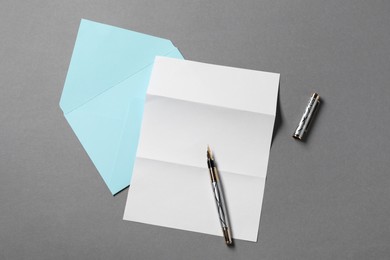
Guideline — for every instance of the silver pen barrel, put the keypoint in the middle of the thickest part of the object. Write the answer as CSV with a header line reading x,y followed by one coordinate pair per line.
x,y
222,212
219,199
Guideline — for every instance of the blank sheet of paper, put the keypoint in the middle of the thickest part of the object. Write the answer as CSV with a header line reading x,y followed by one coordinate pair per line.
x,y
191,105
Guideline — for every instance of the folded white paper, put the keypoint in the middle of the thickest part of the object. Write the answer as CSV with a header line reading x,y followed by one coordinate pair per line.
x,y
191,105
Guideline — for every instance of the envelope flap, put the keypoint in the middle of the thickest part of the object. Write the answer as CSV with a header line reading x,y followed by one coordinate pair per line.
x,y
104,56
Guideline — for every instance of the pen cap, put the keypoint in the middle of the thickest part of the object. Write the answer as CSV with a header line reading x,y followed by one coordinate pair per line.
x,y
307,117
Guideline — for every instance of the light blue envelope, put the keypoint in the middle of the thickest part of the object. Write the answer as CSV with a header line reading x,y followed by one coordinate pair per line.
x,y
104,94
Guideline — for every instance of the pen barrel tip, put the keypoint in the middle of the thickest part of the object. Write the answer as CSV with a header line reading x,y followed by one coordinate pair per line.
x,y
228,236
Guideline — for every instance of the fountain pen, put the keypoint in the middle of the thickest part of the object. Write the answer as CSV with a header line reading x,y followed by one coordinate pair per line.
x,y
219,198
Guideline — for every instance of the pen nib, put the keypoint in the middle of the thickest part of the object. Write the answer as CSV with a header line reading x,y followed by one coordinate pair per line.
x,y
209,154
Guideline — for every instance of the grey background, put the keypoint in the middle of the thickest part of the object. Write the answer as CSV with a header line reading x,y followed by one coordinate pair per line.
x,y
326,198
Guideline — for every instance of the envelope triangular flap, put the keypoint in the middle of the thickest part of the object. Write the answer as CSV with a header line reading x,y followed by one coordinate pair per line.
x,y
108,127
105,55
104,93
99,125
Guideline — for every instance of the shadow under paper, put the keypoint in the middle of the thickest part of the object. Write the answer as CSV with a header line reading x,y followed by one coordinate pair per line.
x,y
278,117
